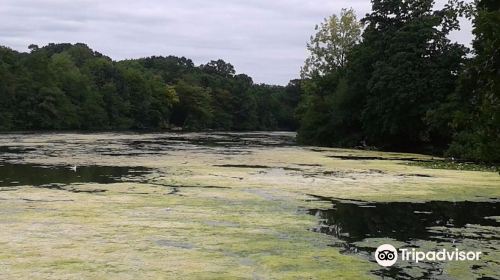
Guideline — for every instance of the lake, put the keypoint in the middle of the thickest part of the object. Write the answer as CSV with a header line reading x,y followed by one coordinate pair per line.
x,y
233,206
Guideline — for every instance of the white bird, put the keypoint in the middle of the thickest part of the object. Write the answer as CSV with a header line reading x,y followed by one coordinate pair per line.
x,y
73,168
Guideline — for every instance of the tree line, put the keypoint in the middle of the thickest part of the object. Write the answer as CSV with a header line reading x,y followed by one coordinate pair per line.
x,y
396,82
72,87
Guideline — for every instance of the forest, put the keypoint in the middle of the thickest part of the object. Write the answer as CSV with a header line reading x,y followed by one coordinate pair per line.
x,y
392,81
72,87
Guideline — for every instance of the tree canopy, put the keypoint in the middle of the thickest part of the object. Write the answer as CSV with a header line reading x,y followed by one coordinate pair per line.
x,y
70,86
405,86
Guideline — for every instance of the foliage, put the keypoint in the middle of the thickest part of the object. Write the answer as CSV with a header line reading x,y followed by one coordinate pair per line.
x,y
70,86
405,86
414,69
328,48
324,109
476,118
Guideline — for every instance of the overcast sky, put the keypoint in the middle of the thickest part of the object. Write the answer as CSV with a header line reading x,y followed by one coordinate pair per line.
x,y
263,38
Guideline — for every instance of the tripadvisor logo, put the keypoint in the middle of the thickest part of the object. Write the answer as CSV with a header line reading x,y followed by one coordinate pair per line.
x,y
386,255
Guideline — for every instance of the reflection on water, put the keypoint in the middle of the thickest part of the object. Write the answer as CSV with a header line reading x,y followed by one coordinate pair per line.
x,y
358,225
14,150
36,175
218,139
402,221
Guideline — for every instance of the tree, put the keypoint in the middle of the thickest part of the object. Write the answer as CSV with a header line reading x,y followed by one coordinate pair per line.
x,y
8,59
219,67
329,47
476,103
193,110
324,111
70,86
409,68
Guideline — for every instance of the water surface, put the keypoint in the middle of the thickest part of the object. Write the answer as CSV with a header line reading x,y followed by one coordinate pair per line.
x,y
21,174
360,226
243,190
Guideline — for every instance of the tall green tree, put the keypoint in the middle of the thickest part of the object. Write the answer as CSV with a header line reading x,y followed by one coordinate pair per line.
x,y
323,110
329,47
409,68
8,59
193,111
476,104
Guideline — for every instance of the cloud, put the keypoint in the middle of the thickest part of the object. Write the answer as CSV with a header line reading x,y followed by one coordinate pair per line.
x,y
262,38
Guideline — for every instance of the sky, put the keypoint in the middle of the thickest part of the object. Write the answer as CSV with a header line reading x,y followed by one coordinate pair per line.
x,y
265,39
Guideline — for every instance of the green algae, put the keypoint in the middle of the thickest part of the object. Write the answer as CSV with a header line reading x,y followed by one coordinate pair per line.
x,y
222,222
157,230
453,165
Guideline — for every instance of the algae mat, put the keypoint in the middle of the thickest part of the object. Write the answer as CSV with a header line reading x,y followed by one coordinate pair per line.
x,y
229,206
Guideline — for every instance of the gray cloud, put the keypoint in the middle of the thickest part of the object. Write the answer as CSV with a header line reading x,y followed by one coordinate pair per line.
x,y
262,38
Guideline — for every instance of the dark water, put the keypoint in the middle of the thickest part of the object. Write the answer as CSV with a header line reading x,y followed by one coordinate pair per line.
x,y
352,157
221,143
351,221
410,223
14,150
38,175
217,139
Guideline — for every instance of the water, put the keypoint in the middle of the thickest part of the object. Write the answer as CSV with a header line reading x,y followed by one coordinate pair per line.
x,y
126,145
356,227
403,221
359,226
15,150
12,174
